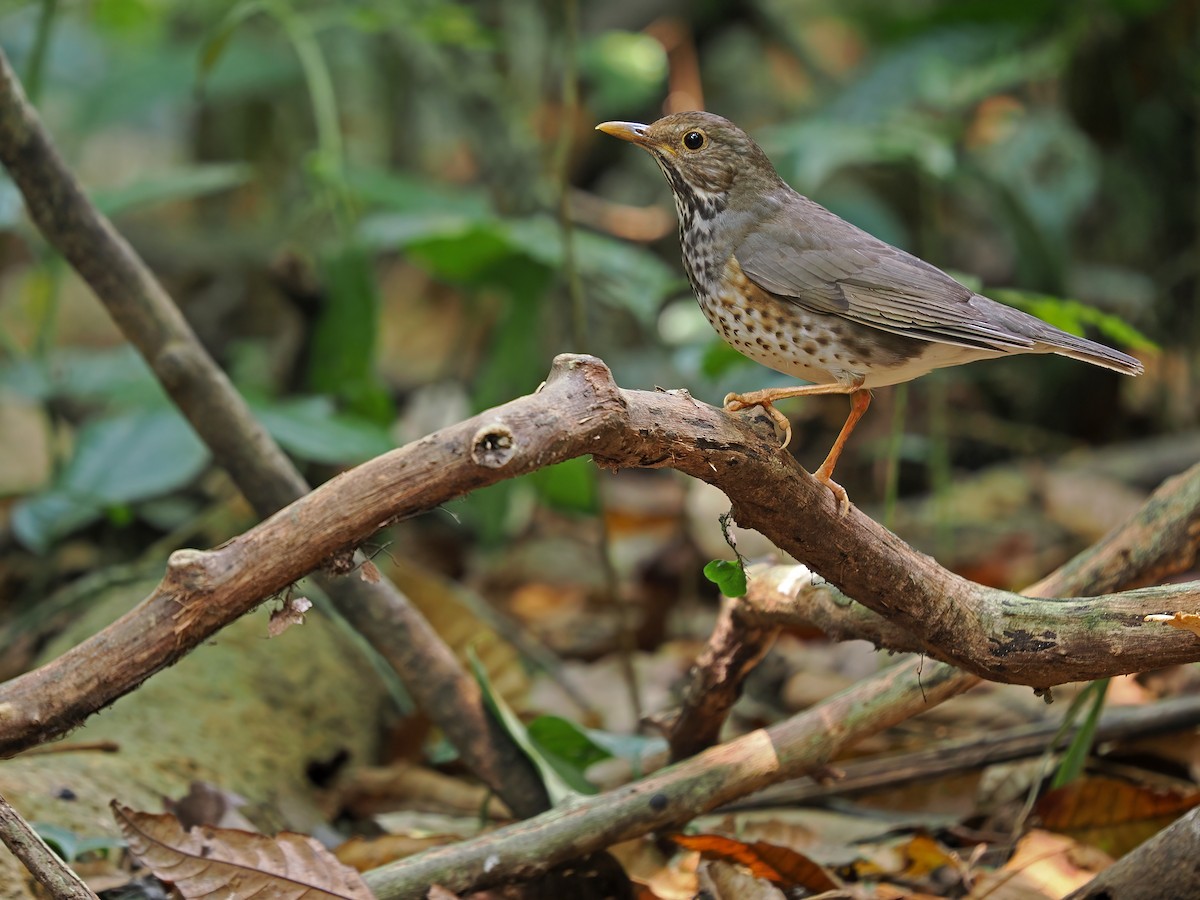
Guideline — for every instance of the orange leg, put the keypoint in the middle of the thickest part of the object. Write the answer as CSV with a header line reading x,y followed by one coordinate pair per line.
x,y
860,399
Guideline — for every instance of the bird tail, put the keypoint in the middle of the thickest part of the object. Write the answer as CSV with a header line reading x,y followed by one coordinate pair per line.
x,y
1065,344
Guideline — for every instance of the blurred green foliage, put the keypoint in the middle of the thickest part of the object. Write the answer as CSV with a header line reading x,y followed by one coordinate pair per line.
x,y
400,157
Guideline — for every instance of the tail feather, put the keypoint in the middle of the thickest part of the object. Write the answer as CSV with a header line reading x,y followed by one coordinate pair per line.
x,y
1065,344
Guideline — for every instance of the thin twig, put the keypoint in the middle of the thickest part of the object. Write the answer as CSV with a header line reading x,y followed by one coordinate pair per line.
x,y
27,846
972,753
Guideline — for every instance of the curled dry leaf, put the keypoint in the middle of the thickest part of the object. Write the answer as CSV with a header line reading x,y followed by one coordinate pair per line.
x,y
1114,814
369,572
223,862
291,613
778,865
726,881
1044,865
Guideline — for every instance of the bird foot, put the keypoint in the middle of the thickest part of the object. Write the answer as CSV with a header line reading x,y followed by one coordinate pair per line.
x,y
839,493
735,402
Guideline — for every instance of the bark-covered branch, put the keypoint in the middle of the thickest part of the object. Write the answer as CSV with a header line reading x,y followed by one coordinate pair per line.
x,y
1159,540
26,845
992,633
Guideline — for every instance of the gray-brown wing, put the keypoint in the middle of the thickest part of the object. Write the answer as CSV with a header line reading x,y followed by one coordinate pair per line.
x,y
833,267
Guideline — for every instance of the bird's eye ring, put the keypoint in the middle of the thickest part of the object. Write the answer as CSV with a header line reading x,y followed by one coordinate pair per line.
x,y
693,140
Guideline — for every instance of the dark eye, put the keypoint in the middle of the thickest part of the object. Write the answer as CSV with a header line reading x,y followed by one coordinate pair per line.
x,y
693,140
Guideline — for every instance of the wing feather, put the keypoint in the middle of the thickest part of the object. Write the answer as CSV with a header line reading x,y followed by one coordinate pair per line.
x,y
830,266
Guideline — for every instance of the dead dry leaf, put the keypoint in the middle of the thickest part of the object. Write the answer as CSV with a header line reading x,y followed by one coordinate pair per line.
x,y
364,854
646,865
1113,814
779,865
445,604
223,862
291,613
370,790
369,572
1044,865
725,881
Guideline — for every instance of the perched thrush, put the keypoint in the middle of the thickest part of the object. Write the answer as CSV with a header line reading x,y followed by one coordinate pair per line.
x,y
798,289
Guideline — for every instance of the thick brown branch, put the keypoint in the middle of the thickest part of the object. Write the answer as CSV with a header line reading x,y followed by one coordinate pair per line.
x,y
992,633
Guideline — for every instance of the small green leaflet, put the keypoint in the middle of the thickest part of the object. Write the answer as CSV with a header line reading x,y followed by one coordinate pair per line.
x,y
728,575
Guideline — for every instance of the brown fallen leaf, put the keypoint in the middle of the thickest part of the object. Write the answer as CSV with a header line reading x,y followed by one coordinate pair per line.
x,y
725,881
649,867
369,572
291,613
778,865
1044,865
1113,814
370,790
363,853
223,862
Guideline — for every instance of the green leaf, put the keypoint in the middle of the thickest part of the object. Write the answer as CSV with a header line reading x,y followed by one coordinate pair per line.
x,y
213,47
729,576
1074,761
568,747
400,192
569,485
626,746
70,846
311,429
615,272
624,69
180,184
119,378
1074,317
561,784
118,461
343,347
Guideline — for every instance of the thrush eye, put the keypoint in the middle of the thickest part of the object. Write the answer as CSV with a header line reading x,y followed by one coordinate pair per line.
x,y
693,140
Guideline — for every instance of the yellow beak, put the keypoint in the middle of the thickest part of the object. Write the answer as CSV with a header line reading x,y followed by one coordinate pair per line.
x,y
634,132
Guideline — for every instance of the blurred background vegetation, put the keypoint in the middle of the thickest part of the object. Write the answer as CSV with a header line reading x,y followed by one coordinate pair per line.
x,y
383,216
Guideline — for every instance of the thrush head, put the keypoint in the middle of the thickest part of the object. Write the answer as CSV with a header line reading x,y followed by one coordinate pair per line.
x,y
704,157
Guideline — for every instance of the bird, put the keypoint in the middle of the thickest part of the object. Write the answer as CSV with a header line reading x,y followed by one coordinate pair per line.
x,y
797,288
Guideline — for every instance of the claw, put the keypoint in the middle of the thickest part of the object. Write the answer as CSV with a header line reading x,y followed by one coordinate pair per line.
x,y
735,402
839,494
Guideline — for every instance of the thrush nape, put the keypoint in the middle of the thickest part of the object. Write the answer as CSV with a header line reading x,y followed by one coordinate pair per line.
x,y
796,288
